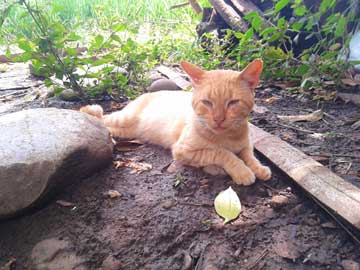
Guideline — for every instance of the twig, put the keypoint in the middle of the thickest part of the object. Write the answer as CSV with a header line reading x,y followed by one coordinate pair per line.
x,y
196,204
339,155
179,5
259,258
296,128
195,6
348,168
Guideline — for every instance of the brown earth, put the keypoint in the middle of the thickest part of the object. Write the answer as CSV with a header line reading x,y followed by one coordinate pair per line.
x,y
167,220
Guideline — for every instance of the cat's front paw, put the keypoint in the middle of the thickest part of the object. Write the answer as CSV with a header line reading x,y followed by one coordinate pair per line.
x,y
244,176
263,173
214,170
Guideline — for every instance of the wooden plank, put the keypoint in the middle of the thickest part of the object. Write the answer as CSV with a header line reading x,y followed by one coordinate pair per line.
x,y
176,77
329,189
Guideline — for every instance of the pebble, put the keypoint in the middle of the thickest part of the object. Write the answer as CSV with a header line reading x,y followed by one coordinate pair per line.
x,y
350,265
278,201
168,204
111,263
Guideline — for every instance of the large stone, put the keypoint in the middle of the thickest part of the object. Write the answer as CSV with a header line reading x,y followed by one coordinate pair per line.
x,y
43,150
55,254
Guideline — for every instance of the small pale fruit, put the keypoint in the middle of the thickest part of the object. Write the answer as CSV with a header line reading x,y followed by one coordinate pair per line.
x,y
227,205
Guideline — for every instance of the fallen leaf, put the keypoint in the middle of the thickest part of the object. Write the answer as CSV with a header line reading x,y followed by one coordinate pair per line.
x,y
312,117
329,225
10,264
271,100
356,125
318,136
349,82
65,203
328,83
348,97
286,250
137,167
260,109
227,205
125,146
113,194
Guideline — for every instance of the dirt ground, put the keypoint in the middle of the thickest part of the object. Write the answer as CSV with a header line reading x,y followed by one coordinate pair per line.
x,y
163,220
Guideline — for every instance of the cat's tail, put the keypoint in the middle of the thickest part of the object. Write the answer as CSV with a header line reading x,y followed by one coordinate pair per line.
x,y
94,110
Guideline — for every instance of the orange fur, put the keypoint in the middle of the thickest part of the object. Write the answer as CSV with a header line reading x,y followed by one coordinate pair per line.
x,y
206,128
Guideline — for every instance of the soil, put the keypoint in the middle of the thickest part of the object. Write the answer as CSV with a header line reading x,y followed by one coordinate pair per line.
x,y
165,220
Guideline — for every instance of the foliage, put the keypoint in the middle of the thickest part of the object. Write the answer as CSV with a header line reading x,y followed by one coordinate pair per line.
x,y
50,36
277,36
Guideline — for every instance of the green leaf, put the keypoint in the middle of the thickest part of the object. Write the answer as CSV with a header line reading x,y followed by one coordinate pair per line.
x,y
119,27
8,53
24,57
5,14
267,31
302,70
227,205
297,26
248,35
71,51
251,15
73,37
256,23
99,39
25,45
340,27
48,82
326,4
281,22
300,11
281,4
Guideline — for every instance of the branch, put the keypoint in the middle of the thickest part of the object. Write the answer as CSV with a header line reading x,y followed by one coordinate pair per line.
x,y
230,16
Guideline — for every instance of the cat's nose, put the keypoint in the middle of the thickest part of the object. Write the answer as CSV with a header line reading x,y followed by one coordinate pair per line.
x,y
219,119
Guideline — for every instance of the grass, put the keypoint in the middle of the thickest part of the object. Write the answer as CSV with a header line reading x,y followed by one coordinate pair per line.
x,y
144,10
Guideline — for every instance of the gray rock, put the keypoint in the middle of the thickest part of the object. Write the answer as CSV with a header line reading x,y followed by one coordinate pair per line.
x,y
69,95
43,150
350,265
55,254
163,84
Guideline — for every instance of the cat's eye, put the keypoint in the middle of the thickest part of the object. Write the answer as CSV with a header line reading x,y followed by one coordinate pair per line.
x,y
233,102
207,103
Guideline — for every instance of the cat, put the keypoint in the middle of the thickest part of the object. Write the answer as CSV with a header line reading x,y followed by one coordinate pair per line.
x,y
207,127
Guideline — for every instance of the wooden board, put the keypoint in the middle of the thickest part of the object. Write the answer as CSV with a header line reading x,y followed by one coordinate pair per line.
x,y
175,77
331,190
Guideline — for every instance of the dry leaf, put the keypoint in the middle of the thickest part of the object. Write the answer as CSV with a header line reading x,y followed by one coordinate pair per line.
x,y
125,146
227,205
312,117
137,167
271,100
356,125
65,203
10,264
347,97
349,82
260,109
286,250
113,194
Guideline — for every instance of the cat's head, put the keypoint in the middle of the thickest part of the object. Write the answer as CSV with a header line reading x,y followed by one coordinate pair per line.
x,y
223,99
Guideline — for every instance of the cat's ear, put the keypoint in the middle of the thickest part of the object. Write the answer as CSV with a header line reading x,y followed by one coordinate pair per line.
x,y
195,73
252,73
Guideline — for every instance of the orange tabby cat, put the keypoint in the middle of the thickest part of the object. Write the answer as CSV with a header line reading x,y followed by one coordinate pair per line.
x,y
206,128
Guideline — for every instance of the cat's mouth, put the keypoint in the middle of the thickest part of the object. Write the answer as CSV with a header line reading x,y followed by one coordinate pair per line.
x,y
219,128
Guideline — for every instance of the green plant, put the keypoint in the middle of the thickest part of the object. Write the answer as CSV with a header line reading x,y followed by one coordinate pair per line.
x,y
330,30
